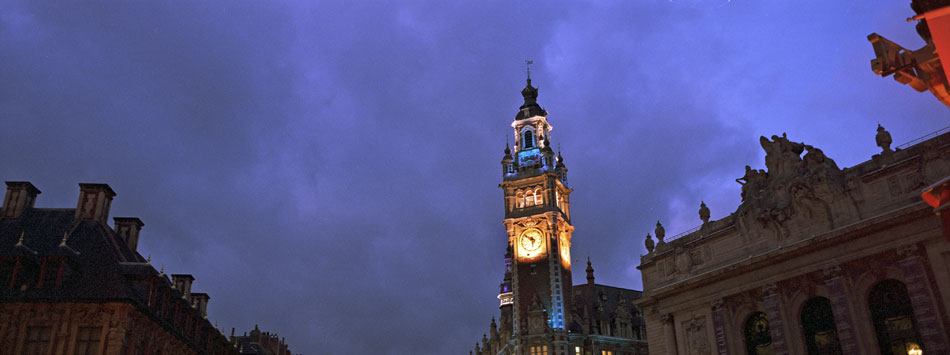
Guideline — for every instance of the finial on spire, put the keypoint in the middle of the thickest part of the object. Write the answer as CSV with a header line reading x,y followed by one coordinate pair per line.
x,y
63,241
20,242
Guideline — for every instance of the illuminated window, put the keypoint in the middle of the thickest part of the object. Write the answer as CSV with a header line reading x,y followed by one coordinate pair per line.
x,y
519,200
818,324
87,341
37,340
528,139
539,350
538,197
578,350
557,198
606,352
893,318
530,197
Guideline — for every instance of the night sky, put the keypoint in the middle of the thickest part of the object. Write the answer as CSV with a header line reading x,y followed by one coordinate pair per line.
x,y
329,169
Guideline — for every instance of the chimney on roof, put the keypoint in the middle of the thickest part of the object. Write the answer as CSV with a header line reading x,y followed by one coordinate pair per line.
x,y
20,196
128,229
94,202
201,301
183,282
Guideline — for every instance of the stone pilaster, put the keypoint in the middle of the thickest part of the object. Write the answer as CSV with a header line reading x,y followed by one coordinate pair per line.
x,y
838,296
669,333
925,309
772,301
719,327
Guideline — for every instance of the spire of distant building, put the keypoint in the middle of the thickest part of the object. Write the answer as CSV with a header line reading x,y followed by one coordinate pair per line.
x,y
590,272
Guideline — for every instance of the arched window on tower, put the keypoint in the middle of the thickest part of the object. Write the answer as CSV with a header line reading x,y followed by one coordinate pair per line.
x,y
538,196
818,324
758,337
893,318
529,198
528,139
519,199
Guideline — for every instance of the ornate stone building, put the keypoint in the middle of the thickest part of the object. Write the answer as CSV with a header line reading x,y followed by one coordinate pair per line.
x,y
542,313
815,260
71,284
259,343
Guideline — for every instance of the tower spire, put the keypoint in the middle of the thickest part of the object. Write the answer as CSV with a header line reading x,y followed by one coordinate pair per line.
x,y
590,272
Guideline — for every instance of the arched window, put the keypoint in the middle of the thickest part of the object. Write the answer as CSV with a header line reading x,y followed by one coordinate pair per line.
x,y
818,324
529,198
758,337
519,200
528,139
557,198
538,197
893,318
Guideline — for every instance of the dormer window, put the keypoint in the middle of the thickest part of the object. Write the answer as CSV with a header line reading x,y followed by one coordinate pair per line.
x,y
528,139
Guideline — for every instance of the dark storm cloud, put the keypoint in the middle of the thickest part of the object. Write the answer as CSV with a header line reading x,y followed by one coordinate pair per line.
x,y
329,170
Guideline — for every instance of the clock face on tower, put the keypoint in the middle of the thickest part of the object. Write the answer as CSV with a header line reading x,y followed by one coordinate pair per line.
x,y
532,243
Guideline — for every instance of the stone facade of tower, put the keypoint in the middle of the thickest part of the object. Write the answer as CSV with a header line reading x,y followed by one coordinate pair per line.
x,y
542,313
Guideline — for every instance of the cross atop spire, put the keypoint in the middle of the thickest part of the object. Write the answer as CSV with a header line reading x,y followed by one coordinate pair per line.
x,y
527,65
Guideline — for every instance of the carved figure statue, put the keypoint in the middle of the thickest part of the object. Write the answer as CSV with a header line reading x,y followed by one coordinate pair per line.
x,y
704,211
782,157
649,244
883,139
752,182
816,162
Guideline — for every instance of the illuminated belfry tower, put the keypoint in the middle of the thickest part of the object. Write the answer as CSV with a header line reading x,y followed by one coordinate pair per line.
x,y
537,219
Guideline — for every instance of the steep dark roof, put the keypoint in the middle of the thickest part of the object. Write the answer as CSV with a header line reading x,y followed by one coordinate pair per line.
x,y
99,266
94,249
530,107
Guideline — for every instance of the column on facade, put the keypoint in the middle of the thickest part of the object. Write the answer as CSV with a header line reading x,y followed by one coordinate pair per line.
x,y
773,310
719,326
925,309
669,333
838,292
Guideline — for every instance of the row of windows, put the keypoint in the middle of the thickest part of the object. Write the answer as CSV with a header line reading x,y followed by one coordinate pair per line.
x,y
579,351
539,350
891,312
37,340
534,197
623,330
529,198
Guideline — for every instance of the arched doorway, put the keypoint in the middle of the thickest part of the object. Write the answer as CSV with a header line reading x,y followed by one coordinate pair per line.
x,y
758,337
818,326
893,318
